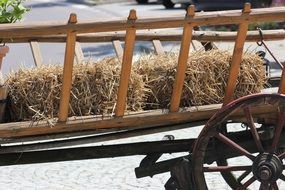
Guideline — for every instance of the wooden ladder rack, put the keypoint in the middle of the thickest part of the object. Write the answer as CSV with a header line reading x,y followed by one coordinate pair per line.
x,y
75,32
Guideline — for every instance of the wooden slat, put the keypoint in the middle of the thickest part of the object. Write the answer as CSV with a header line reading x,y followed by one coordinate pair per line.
x,y
35,47
182,62
126,66
195,44
158,47
79,56
281,89
206,36
67,72
118,49
152,118
3,97
237,57
3,51
212,18
3,88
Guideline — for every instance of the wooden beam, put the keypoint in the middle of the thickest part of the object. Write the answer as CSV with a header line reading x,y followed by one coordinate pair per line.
x,y
35,143
118,49
126,66
204,36
281,89
182,62
237,57
212,18
79,56
158,47
67,72
3,52
92,152
35,47
149,119
100,135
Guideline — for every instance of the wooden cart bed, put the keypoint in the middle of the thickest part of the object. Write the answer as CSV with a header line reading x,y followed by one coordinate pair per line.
x,y
175,117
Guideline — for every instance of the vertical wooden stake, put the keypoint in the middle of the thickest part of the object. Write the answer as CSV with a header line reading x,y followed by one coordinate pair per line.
x,y
237,57
126,66
3,97
3,88
79,56
35,47
158,47
281,89
3,51
67,71
118,49
182,62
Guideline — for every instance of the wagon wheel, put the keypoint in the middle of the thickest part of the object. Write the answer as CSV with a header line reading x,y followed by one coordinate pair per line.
x,y
264,116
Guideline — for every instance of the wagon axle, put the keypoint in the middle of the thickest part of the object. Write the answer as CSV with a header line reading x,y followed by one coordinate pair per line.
x,y
267,167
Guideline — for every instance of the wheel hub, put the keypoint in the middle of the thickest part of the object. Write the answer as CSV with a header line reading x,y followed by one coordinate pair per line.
x,y
267,167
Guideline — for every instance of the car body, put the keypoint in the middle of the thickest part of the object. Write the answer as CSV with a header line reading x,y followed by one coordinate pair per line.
x,y
171,3
181,1
166,3
212,5
142,1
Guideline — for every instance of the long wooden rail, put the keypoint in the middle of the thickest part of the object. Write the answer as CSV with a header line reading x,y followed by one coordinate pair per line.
x,y
200,19
73,31
202,36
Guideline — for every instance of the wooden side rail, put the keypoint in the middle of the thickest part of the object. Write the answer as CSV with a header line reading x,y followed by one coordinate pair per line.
x,y
202,36
75,31
147,119
155,38
211,18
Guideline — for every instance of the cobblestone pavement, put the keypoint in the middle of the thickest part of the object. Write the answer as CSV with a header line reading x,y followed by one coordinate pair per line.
x,y
111,173
103,174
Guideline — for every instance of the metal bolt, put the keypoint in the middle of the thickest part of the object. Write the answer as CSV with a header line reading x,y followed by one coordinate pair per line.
x,y
265,173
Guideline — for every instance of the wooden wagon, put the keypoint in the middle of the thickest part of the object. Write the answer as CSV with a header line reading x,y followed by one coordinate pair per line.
x,y
261,139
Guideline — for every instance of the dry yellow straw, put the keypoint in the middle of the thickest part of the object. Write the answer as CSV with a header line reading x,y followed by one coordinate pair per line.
x,y
35,92
206,77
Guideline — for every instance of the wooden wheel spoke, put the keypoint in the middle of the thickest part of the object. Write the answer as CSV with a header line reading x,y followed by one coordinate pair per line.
x,y
226,168
247,183
243,175
282,177
253,130
234,145
278,130
264,186
281,156
274,186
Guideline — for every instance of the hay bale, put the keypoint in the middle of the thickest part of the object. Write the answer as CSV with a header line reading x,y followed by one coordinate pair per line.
x,y
206,77
35,93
